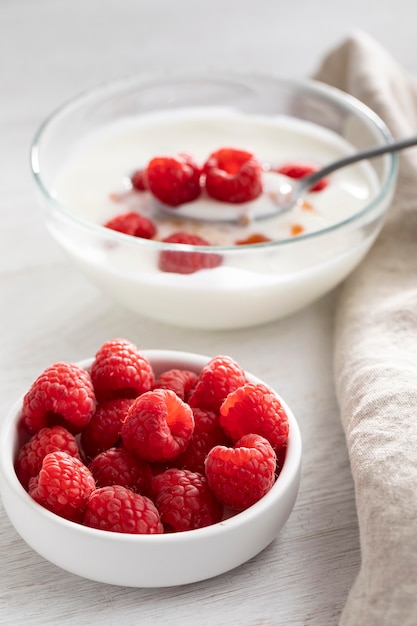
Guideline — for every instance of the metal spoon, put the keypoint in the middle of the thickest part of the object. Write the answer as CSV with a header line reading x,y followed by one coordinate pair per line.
x,y
287,195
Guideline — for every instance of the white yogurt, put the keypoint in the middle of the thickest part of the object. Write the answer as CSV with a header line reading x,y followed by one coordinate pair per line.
x,y
104,160
247,288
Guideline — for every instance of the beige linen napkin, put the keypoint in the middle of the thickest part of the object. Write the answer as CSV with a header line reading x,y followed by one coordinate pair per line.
x,y
376,358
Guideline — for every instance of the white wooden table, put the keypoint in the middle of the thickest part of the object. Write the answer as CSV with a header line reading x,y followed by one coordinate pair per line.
x,y
50,50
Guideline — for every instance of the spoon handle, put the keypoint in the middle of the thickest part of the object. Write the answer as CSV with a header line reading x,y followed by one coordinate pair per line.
x,y
359,156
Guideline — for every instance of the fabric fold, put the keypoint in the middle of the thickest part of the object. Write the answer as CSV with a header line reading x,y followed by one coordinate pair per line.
x,y
375,357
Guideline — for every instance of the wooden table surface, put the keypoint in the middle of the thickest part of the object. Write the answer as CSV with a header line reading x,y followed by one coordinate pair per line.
x,y
49,51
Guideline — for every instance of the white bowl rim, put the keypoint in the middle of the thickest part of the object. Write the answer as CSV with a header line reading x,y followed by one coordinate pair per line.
x,y
286,477
342,98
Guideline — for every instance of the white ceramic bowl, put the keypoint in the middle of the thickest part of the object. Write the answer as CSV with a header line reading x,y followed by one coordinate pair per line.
x,y
254,284
149,560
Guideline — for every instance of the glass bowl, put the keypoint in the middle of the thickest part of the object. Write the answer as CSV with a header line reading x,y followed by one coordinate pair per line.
x,y
149,560
241,285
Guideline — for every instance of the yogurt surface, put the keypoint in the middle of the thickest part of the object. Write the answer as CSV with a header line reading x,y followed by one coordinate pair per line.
x,y
94,182
254,284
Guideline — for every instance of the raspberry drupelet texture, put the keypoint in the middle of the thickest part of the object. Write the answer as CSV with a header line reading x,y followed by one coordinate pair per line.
x,y
30,456
158,426
242,475
233,176
134,224
178,380
63,394
184,500
255,408
187,262
217,379
118,466
207,434
103,430
174,180
119,370
63,485
118,509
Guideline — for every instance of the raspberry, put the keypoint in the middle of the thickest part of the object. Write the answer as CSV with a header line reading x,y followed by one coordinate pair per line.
x,y
206,421
134,224
118,466
181,262
207,434
63,485
120,371
139,180
299,170
184,500
217,379
63,394
118,509
179,381
174,180
254,408
158,426
240,476
233,176
103,430
31,454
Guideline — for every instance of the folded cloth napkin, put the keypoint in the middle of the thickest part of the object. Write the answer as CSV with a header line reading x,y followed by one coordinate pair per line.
x,y
376,357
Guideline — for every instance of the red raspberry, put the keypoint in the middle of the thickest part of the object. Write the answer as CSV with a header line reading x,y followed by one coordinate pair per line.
x,y
207,434
179,381
31,454
120,371
139,180
134,224
118,466
181,262
217,379
63,394
158,426
174,180
254,408
118,509
103,430
233,176
184,500
240,476
63,485
299,170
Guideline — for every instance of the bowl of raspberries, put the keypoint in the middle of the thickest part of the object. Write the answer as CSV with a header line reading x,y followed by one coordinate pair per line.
x,y
149,468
